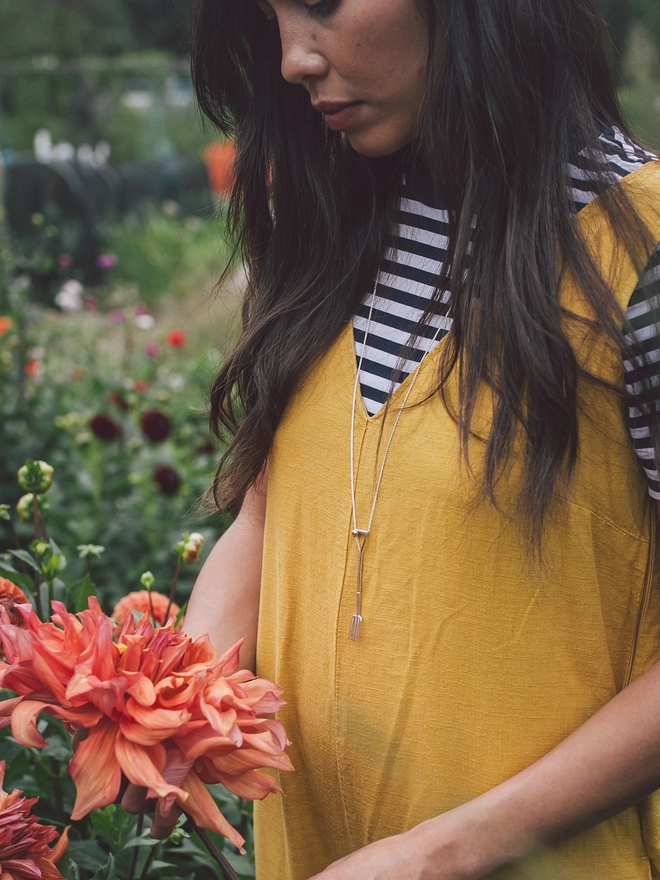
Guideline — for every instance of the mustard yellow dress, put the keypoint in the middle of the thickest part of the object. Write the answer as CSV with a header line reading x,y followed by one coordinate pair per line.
x,y
472,662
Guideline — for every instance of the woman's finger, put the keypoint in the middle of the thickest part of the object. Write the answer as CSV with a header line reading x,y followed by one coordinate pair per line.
x,y
135,800
163,826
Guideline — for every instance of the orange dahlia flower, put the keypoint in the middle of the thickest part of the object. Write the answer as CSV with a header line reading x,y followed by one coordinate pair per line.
x,y
160,707
139,601
24,850
10,597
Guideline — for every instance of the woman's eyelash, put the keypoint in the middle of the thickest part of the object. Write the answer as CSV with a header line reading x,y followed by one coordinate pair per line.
x,y
325,7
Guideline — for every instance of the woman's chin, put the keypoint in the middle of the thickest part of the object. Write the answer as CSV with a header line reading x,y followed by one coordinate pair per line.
x,y
374,145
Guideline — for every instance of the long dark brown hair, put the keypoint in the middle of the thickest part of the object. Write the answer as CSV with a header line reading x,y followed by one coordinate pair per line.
x,y
515,89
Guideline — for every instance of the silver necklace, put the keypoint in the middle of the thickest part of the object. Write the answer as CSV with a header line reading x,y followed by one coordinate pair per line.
x,y
359,534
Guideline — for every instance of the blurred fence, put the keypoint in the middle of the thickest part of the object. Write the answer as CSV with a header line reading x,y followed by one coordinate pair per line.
x,y
87,141
56,211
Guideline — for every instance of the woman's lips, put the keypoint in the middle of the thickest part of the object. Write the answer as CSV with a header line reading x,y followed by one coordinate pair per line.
x,y
339,117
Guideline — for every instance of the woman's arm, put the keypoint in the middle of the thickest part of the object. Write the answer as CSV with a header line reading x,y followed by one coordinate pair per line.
x,y
608,764
225,599
225,605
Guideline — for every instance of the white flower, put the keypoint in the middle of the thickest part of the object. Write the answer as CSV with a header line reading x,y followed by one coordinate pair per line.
x,y
144,322
70,297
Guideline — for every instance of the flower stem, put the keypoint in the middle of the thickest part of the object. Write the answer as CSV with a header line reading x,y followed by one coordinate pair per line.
x,y
154,622
173,590
17,543
226,868
35,516
147,864
136,849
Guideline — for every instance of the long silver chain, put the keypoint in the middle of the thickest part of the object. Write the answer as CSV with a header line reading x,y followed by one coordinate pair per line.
x,y
361,535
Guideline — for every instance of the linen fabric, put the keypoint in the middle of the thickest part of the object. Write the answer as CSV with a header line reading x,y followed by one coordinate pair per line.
x,y
473,660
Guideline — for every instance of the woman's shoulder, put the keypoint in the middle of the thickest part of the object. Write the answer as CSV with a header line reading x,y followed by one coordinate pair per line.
x,y
618,157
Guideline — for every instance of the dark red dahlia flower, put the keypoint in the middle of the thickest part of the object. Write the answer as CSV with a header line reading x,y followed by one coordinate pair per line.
x,y
156,425
168,479
104,427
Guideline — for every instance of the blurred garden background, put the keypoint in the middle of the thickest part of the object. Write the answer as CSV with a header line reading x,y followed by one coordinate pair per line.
x,y
112,243
111,327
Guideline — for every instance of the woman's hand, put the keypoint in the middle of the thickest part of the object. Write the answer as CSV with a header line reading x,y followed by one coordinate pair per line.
x,y
430,851
135,801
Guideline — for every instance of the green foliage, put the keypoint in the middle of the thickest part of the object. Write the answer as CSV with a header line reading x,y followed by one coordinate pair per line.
x,y
67,28
94,98
84,365
162,255
103,844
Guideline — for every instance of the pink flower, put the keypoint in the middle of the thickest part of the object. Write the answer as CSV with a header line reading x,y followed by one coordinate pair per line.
x,y
24,850
139,601
106,261
64,261
117,316
152,350
10,597
160,708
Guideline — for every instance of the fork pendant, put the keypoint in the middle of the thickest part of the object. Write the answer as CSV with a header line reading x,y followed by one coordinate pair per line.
x,y
360,536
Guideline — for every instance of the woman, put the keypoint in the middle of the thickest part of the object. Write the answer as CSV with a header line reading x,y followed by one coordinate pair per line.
x,y
448,555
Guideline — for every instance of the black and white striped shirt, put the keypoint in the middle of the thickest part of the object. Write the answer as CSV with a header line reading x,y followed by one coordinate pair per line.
x,y
413,262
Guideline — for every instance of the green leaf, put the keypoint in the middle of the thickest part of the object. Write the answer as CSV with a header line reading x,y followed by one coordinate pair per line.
x,y
25,557
110,823
142,841
107,872
240,864
44,595
58,748
181,614
59,590
57,552
88,855
10,749
79,592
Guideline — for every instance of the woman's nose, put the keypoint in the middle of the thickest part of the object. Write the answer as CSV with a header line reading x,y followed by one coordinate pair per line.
x,y
301,57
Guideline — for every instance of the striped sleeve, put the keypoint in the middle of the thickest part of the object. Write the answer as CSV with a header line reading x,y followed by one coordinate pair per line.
x,y
641,365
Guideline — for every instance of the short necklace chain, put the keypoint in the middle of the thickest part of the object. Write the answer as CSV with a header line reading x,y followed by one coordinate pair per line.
x,y
361,535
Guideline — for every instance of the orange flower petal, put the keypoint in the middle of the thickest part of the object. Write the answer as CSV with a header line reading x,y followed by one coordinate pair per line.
x,y
241,760
201,652
199,745
143,765
143,691
150,726
95,770
24,724
204,810
253,784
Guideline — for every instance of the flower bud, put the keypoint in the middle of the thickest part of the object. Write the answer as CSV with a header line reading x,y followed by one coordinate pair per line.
x,y
147,580
192,548
25,507
35,476
40,548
